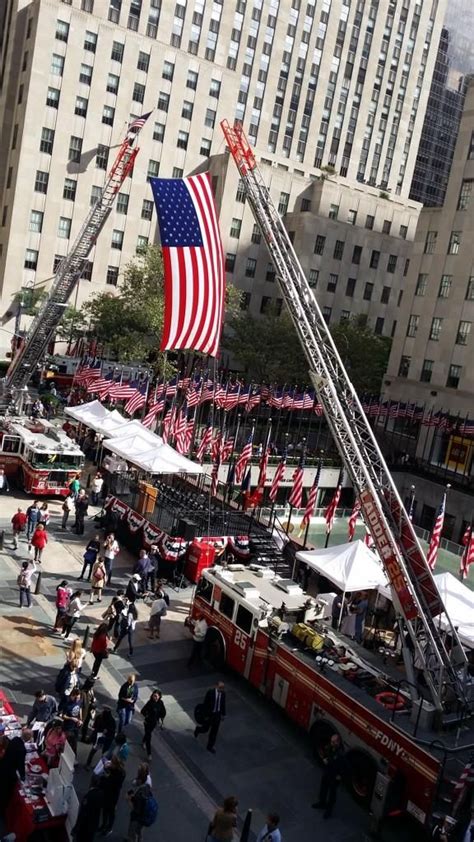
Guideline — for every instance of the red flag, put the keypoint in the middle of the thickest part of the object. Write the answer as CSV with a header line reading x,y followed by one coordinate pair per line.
x,y
311,501
468,555
193,263
436,535
353,518
277,478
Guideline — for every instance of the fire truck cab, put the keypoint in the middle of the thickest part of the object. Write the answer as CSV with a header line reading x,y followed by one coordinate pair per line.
x,y
38,456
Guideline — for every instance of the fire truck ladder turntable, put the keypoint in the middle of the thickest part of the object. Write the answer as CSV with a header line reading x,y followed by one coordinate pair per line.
x,y
415,595
69,271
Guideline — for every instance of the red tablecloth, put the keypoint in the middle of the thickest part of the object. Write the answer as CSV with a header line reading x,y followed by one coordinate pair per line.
x,y
21,816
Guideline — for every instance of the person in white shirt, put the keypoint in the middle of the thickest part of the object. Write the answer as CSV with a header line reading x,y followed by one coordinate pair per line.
x,y
24,582
270,833
96,488
158,610
110,550
199,636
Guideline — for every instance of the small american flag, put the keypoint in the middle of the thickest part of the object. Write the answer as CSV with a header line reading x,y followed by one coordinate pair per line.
x,y
468,555
436,535
136,124
330,512
138,399
311,501
193,263
215,478
120,391
262,474
244,457
180,431
153,411
204,443
296,494
168,424
216,446
278,478
353,518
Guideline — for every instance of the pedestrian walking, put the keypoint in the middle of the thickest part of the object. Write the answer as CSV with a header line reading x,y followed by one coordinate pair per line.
x,y
270,831
144,808
158,610
103,733
222,826
44,514
96,488
39,539
153,713
90,557
134,588
111,783
100,647
43,710
112,612
81,506
333,760
63,596
73,612
4,486
127,698
71,713
199,630
213,712
110,550
88,817
128,622
33,515
98,580
75,486
88,705
67,680
28,569
18,522
75,655
67,508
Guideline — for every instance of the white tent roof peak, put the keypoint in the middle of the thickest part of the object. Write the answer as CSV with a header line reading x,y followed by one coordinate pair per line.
x,y
351,567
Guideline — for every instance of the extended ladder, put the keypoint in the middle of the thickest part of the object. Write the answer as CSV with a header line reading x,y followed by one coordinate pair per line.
x,y
415,595
68,273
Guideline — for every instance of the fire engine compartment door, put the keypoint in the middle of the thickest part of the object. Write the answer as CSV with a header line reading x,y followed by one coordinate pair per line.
x,y
280,690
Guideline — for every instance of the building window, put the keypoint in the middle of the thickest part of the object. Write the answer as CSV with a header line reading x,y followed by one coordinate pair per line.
x,y
435,330
421,284
250,268
465,194
374,259
283,203
122,203
413,323
69,189
406,267
333,211
305,205
392,263
87,5
235,228
245,300
379,323
256,235
338,249
319,244
265,303
352,217
240,194
427,371
327,313
445,286
75,149
332,283
142,244
47,140
153,169
470,151
385,297
112,83
168,71
159,132
31,259
205,148
102,157
62,30
386,226
210,118
108,115
230,262
177,172
313,278
147,209
430,242
138,92
192,80
369,221
163,101
57,65
143,62
81,106
52,97
345,315
112,275
96,193
117,239
215,88
404,366
356,255
41,181
182,142
36,221
368,290
85,76
464,330
187,110
270,274
64,227
403,231
117,51
90,42
350,287
86,271
454,376
454,242
470,289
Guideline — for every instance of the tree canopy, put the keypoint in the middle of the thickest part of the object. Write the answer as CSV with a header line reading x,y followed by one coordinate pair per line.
x,y
364,354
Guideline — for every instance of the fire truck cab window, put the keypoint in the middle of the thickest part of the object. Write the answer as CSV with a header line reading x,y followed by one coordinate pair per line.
x,y
10,444
204,590
226,606
244,619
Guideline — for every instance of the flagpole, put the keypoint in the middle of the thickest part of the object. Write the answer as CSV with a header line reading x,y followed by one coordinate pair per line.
x,y
272,509
279,416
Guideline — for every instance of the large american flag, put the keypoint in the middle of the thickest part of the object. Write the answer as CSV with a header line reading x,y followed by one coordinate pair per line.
x,y
353,518
436,535
277,478
296,494
330,512
193,263
244,457
468,554
311,501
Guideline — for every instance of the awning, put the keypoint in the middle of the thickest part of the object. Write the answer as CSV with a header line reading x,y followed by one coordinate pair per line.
x,y
92,411
351,567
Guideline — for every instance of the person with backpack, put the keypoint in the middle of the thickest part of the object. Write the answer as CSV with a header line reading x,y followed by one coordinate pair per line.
x,y
18,522
128,622
73,612
33,515
153,713
144,807
39,539
127,699
63,595
90,557
67,508
28,569
100,647
98,580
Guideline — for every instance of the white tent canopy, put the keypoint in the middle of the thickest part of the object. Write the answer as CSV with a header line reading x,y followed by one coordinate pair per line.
x,y
137,428
147,451
88,413
111,425
351,567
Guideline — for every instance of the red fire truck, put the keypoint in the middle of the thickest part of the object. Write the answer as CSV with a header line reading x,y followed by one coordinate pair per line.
x,y
274,635
38,456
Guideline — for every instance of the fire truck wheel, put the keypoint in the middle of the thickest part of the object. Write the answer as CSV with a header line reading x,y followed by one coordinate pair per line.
x,y
214,648
360,775
320,734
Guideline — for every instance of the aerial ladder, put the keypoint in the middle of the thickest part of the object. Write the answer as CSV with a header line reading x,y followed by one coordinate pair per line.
x,y
45,323
416,599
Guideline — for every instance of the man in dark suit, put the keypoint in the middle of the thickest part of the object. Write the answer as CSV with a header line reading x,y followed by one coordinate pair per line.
x,y
214,711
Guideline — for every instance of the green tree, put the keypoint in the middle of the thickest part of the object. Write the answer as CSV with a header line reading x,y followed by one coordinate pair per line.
x,y
364,354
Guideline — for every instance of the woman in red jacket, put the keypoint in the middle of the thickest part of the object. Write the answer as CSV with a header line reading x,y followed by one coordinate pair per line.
x,y
99,647
39,540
